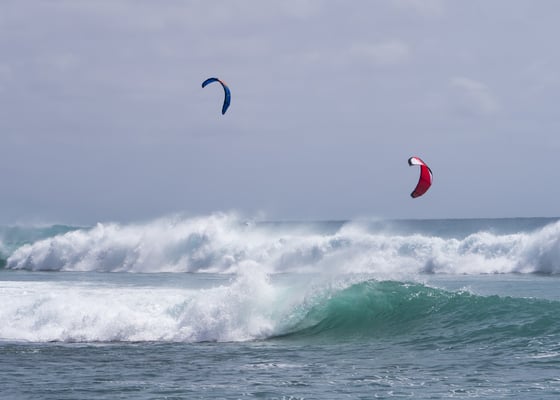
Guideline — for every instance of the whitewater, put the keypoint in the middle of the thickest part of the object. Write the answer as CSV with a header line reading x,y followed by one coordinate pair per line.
x,y
223,243
221,306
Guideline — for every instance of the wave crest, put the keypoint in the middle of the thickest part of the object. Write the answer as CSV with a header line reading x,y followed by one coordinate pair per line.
x,y
223,243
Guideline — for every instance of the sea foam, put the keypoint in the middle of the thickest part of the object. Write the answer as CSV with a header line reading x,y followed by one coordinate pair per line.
x,y
223,243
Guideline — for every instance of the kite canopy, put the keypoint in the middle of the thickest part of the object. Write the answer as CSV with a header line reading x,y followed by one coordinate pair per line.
x,y
425,180
227,93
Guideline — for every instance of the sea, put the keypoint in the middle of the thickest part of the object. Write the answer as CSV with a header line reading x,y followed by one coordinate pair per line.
x,y
223,307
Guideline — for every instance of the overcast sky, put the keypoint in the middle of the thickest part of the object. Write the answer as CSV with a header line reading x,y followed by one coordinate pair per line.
x,y
103,118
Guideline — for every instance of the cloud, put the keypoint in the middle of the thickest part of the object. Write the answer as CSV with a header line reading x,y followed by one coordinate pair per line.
x,y
5,76
426,8
387,53
473,97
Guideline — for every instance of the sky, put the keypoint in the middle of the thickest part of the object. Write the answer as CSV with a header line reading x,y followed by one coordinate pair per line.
x,y
103,118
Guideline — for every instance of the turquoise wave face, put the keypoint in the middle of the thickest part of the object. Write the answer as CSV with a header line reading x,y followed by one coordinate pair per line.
x,y
12,237
389,310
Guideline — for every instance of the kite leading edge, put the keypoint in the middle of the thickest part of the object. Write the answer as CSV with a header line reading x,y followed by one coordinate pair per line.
x,y
227,93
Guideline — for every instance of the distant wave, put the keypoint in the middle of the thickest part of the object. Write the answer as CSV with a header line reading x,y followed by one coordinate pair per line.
x,y
224,243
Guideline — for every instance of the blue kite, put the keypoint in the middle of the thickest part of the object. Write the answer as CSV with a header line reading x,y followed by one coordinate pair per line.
x,y
227,93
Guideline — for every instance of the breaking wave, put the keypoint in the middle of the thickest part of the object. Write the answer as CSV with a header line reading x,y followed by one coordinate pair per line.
x,y
224,243
392,309
251,307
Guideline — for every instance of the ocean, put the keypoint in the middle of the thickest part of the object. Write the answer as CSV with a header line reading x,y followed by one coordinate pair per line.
x,y
221,307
